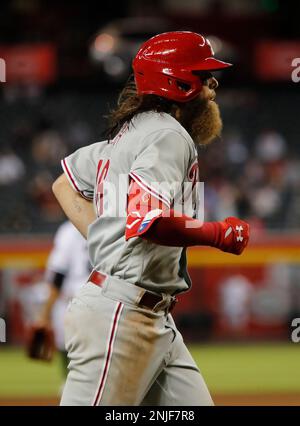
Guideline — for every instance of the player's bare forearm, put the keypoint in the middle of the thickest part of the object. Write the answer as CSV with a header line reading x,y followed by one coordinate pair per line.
x,y
80,211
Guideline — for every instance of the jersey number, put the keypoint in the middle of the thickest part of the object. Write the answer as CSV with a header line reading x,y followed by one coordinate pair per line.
x,y
102,171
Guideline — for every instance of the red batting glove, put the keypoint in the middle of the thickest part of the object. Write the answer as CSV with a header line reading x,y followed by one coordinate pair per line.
x,y
234,236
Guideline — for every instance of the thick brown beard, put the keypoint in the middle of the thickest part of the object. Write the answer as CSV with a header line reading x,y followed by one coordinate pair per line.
x,y
202,120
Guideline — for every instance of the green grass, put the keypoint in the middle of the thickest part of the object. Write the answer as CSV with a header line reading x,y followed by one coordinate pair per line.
x,y
249,368
22,377
226,369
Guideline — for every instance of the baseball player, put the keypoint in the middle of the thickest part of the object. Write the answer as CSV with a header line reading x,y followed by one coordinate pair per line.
x,y
124,195
68,268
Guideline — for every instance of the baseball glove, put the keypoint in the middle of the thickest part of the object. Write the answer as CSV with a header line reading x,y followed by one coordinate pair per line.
x,y
40,343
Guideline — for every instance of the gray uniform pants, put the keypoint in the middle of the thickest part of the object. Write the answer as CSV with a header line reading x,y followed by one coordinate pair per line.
x,y
121,354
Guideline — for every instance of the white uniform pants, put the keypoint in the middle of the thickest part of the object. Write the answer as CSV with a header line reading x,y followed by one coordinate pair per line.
x,y
121,354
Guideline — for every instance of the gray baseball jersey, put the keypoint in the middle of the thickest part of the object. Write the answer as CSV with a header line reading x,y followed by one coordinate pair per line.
x,y
120,352
157,153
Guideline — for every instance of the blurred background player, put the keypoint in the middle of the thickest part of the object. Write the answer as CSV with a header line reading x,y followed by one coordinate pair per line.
x,y
67,269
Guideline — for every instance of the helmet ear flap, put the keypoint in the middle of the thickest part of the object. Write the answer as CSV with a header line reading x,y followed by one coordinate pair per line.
x,y
189,89
181,85
184,87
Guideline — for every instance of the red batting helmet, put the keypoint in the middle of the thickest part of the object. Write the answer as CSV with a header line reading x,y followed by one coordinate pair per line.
x,y
165,65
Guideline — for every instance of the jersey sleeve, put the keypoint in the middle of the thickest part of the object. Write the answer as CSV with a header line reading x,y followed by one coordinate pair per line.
x,y
80,170
161,164
156,175
143,209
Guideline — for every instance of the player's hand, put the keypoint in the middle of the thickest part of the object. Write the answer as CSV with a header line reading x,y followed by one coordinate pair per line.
x,y
234,236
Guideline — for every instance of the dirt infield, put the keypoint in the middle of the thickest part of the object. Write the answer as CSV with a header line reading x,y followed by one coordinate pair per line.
x,y
275,399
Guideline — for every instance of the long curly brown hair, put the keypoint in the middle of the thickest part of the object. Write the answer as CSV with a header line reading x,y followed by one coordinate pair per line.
x,y
130,104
